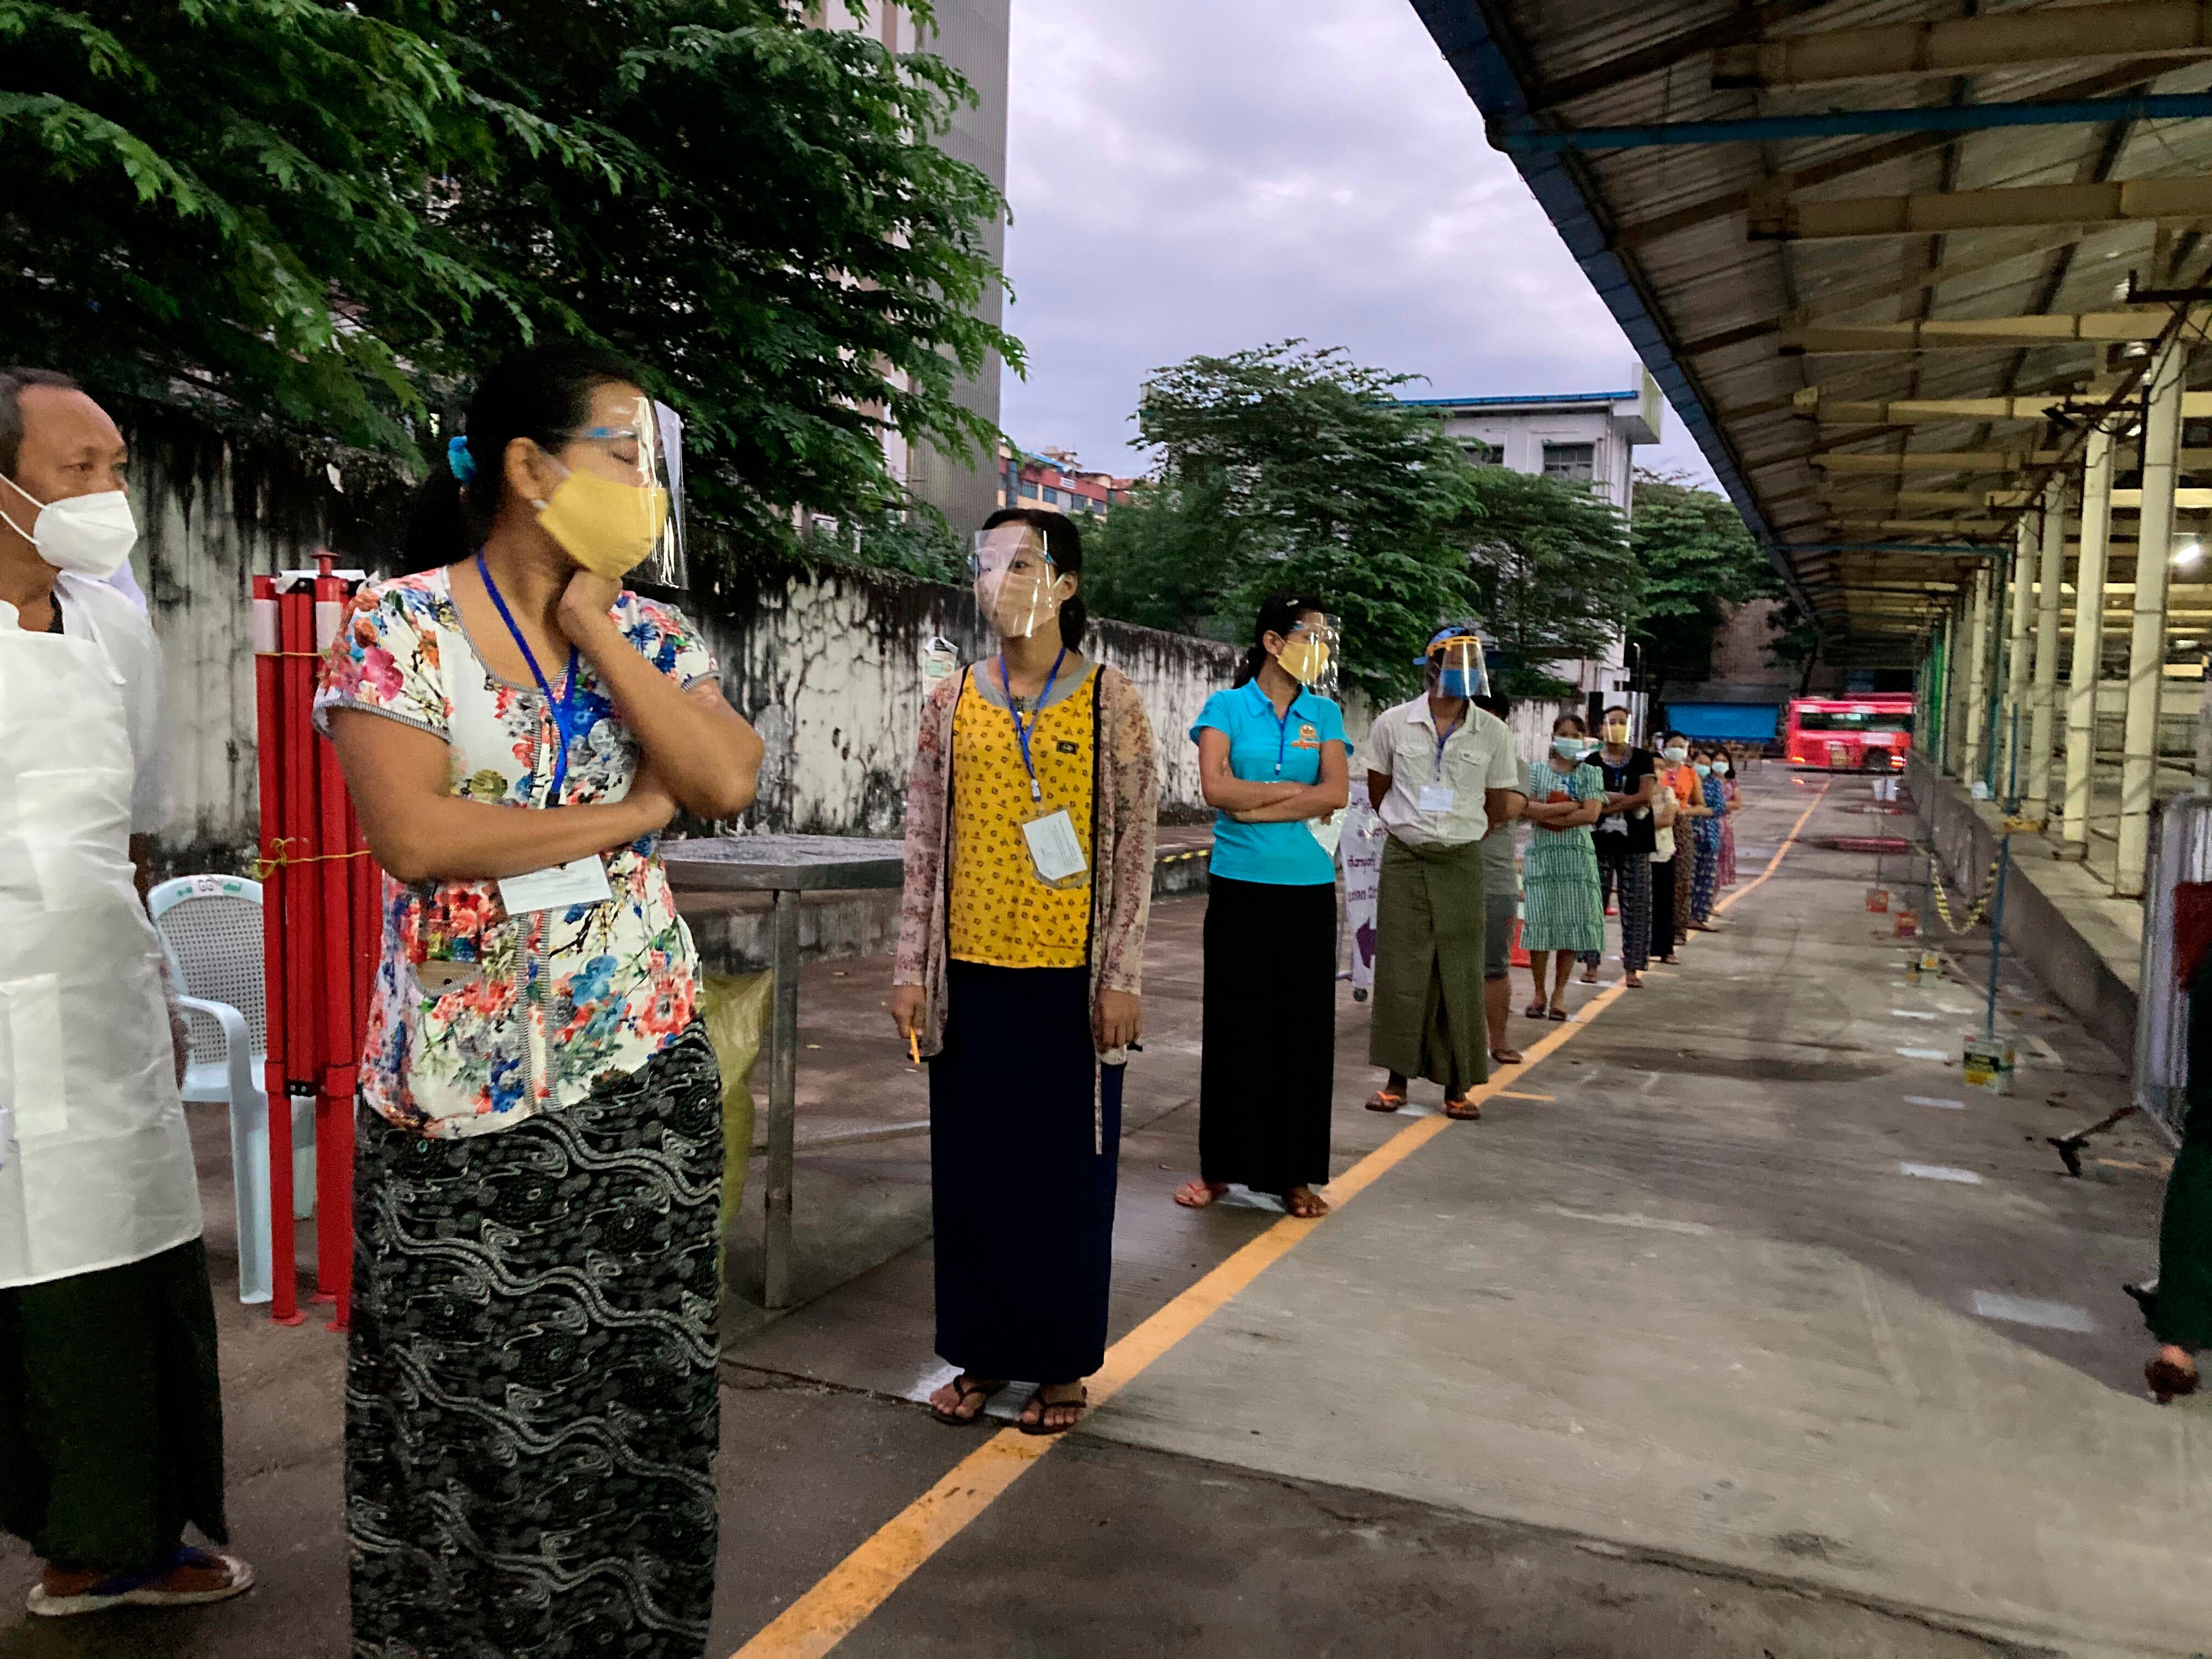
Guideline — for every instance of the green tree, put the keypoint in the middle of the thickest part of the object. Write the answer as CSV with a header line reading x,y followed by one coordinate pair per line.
x,y
327,218
1286,466
1166,558
1554,574
1698,564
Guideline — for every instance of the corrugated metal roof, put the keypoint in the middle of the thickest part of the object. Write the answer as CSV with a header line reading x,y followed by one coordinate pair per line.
x,y
1664,233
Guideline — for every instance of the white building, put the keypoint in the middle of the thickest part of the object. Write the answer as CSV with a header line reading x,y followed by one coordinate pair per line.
x,y
1590,435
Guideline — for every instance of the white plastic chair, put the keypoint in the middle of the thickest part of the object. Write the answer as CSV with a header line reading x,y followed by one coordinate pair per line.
x,y
210,928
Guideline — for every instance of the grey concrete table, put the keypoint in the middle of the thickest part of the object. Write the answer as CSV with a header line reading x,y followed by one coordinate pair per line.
x,y
783,866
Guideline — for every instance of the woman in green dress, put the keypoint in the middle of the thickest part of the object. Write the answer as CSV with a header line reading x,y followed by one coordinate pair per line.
x,y
1563,905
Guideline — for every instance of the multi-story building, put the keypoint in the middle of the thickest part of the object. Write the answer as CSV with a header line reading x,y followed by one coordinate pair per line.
x,y
972,36
1052,478
1590,436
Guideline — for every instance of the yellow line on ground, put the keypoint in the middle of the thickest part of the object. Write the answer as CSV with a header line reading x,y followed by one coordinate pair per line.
x,y
1507,1094
1780,853
866,1579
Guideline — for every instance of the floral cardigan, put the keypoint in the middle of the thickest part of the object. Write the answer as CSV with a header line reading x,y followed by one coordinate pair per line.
x,y
1124,831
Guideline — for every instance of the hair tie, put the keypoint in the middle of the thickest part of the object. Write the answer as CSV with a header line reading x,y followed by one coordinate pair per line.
x,y
459,462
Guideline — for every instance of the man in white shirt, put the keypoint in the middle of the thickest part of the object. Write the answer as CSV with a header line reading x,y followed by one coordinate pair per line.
x,y
111,1412
1441,773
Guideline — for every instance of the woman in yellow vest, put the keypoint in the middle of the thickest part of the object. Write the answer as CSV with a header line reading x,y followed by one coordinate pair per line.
x,y
1031,812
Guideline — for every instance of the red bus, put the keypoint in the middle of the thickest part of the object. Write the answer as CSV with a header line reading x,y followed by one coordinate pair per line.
x,y
1850,734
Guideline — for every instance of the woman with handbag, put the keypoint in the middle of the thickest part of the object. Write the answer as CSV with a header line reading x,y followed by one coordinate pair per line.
x,y
1030,820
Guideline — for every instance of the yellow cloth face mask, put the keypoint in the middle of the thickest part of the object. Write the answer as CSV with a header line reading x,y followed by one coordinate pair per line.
x,y
1303,660
608,528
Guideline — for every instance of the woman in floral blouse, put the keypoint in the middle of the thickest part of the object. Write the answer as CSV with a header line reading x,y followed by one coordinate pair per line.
x,y
531,1407
1031,816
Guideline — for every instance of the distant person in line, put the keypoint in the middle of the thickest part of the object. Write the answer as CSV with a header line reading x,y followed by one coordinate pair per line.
x,y
533,1403
1031,814
1712,815
1501,904
1624,840
1441,775
1274,765
1732,803
1690,808
1564,907
2179,1311
1665,863
111,1408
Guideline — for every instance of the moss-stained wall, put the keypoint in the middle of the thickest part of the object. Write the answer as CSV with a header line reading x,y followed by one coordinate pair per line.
x,y
828,665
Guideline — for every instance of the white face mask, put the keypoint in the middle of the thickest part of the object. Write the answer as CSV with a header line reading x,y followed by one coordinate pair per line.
x,y
1677,755
1721,767
87,535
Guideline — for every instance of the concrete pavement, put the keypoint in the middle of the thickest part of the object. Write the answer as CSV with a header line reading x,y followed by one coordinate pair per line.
x,y
1717,1350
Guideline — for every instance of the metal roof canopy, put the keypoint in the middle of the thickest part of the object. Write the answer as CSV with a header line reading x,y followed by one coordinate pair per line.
x,y
1898,239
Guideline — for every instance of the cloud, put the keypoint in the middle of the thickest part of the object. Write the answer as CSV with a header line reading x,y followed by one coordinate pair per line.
x,y
1203,175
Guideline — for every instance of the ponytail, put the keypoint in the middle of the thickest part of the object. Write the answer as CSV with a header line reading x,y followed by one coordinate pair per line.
x,y
1074,623
1254,660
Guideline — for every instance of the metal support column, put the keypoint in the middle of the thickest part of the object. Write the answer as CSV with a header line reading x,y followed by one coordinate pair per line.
x,y
2020,662
782,1103
2147,643
2044,697
2088,635
1974,728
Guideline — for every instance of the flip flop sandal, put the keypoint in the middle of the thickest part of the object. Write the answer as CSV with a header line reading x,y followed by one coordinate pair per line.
x,y
967,1386
1534,1011
1506,1056
1044,1406
1463,1111
136,1589
2169,1381
1558,1014
1291,1207
1208,1198
1384,1100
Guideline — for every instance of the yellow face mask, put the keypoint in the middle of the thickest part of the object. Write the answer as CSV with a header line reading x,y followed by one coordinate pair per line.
x,y
1303,660
608,528
1616,733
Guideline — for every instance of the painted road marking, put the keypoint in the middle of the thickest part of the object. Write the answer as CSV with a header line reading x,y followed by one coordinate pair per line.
x,y
1931,1100
1925,1053
838,1603
1909,1013
1507,1094
1651,1223
1940,1172
2026,1311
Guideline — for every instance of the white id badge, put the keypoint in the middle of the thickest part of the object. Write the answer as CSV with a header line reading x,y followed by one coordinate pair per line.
x,y
1435,798
580,881
1055,852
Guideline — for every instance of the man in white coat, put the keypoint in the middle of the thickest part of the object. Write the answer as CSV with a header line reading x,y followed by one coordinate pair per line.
x,y
111,1415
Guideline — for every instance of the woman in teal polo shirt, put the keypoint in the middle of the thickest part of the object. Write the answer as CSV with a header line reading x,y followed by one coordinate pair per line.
x,y
1275,763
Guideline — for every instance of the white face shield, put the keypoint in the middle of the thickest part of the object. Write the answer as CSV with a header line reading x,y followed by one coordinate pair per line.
x,y
1311,654
1017,586
1460,667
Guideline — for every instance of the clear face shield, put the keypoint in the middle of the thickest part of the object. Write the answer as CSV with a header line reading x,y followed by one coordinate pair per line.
x,y
1311,655
1460,667
620,508
1017,586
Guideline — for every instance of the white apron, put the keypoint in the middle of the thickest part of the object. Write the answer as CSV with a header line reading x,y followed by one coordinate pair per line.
x,y
95,1160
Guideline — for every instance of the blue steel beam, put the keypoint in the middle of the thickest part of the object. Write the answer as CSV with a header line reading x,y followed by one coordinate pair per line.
x,y
1521,134
1463,35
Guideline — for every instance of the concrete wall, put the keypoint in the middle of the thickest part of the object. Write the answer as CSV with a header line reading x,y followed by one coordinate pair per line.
x,y
828,665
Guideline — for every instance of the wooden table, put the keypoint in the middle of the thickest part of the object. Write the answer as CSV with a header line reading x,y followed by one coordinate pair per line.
x,y
783,866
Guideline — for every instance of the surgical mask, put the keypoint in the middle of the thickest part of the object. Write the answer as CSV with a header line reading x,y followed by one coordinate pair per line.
x,y
1704,771
608,528
1570,748
1016,585
1721,767
1303,660
1456,683
86,535
1677,755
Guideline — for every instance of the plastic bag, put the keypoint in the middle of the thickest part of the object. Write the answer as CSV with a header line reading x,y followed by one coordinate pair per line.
x,y
735,1009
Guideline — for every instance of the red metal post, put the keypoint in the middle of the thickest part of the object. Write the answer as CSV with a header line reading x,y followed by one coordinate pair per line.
x,y
270,751
333,1173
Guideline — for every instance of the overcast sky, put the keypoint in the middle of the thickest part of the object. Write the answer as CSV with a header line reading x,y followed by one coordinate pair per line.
x,y
1204,175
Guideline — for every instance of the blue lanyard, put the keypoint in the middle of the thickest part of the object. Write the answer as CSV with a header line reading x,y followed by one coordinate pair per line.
x,y
561,708
1443,737
1283,729
1022,734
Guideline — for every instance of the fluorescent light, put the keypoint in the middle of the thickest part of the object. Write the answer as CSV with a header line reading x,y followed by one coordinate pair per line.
x,y
2188,553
